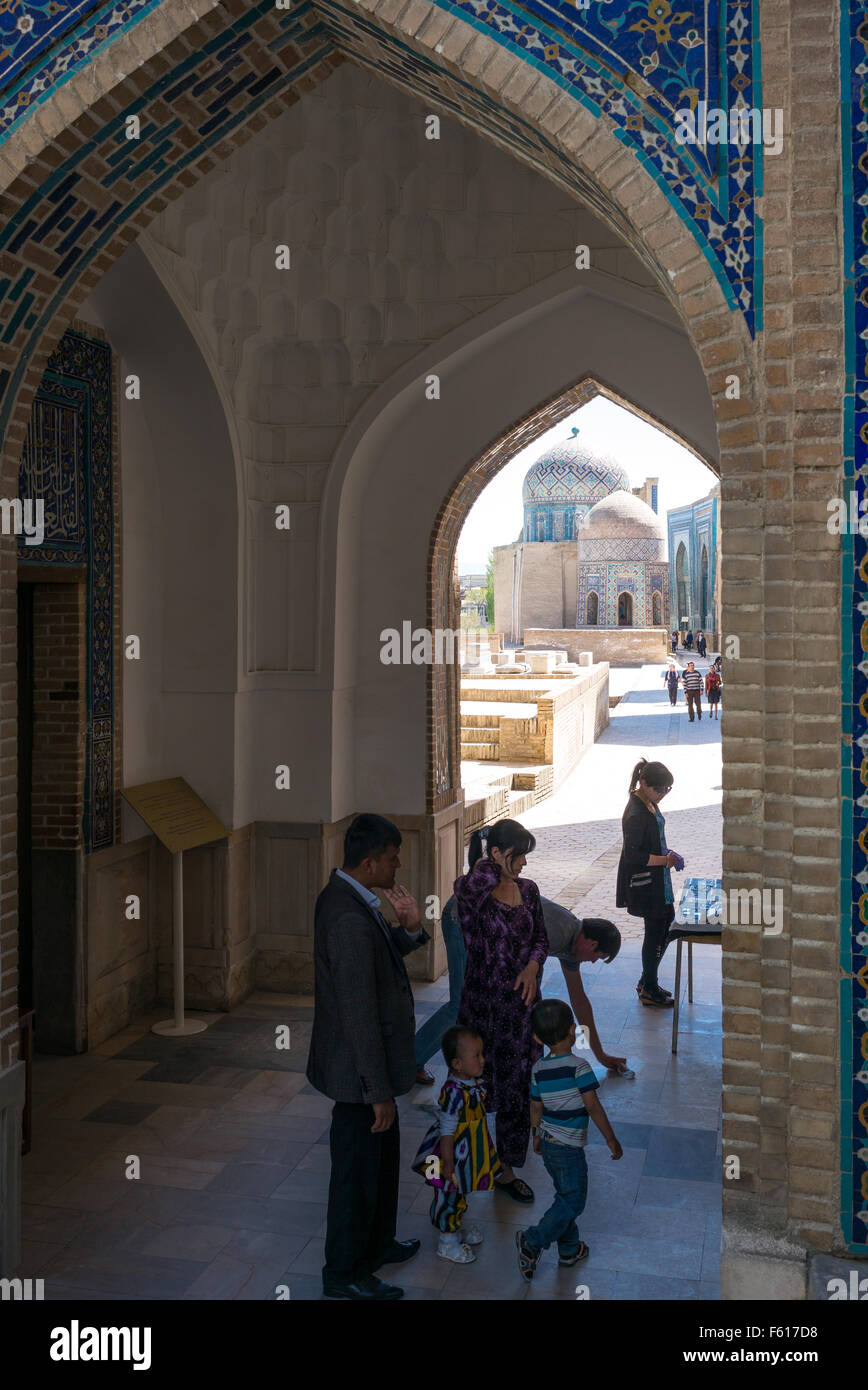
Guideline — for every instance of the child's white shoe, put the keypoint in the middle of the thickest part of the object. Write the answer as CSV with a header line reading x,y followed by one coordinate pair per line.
x,y
471,1234
451,1247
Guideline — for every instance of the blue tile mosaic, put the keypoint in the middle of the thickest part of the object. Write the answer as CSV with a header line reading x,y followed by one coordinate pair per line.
x,y
67,462
639,61
854,864
65,36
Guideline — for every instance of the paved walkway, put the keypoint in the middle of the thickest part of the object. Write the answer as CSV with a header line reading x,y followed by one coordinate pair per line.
x,y
230,1200
578,830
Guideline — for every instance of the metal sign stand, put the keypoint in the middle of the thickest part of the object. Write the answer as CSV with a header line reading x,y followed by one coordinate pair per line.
x,y
178,1027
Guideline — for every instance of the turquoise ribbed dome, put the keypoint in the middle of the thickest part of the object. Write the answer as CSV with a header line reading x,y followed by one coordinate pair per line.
x,y
572,472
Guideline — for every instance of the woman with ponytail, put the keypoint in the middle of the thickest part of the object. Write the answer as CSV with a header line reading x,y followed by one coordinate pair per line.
x,y
504,933
644,873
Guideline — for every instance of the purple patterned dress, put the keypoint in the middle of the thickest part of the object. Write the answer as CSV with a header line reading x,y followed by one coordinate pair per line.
x,y
500,941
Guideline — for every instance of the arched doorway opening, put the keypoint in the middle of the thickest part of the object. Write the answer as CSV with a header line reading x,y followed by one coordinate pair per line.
x,y
592,609
625,609
549,816
656,608
703,589
683,617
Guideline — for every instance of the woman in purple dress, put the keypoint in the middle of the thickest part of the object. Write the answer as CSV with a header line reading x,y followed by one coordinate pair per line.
x,y
502,923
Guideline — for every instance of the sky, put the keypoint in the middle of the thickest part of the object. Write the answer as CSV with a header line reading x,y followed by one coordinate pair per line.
x,y
642,451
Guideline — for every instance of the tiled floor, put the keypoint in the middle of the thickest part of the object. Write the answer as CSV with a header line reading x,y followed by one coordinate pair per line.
x,y
198,1169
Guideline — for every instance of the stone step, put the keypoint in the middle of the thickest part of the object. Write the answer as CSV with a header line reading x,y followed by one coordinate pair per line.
x,y
510,691
489,710
480,733
480,752
538,781
485,809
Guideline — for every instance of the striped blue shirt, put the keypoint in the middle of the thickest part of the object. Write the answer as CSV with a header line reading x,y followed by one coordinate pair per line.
x,y
559,1083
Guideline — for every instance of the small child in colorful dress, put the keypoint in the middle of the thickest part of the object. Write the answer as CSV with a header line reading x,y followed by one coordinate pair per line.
x,y
561,1101
457,1155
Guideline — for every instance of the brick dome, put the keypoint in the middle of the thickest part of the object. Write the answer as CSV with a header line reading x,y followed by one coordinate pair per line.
x,y
618,519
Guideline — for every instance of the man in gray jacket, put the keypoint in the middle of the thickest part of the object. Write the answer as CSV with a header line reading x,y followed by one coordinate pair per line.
x,y
362,1055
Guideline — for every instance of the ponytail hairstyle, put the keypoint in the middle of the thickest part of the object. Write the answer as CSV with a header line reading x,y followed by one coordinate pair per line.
x,y
652,774
508,836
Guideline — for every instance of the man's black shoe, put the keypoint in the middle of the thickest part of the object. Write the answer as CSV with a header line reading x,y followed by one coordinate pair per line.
x,y
366,1290
397,1253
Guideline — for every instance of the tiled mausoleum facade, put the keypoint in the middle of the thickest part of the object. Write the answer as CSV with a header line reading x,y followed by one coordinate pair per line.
x,y
591,552
153,157
694,570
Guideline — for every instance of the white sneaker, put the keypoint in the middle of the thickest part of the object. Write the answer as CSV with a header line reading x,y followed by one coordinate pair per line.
x,y
449,1247
472,1235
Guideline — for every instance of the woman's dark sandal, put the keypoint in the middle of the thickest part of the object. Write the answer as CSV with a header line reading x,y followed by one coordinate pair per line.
x,y
423,1077
658,1000
581,1254
639,988
518,1190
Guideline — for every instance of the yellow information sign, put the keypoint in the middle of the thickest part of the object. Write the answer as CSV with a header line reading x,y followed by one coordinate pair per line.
x,y
178,817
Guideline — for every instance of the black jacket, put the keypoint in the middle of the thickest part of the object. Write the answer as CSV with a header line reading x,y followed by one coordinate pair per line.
x,y
362,1046
645,897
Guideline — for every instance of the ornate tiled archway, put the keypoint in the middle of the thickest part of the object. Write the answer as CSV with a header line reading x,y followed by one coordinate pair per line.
x,y
222,86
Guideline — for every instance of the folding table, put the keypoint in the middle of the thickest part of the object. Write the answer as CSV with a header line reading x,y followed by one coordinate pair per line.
x,y
700,899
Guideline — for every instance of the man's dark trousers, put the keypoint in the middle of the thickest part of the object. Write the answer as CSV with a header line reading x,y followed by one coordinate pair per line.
x,y
363,1193
694,702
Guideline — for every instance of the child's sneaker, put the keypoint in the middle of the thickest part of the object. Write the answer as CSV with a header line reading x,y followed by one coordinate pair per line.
x,y
450,1247
471,1235
528,1259
581,1254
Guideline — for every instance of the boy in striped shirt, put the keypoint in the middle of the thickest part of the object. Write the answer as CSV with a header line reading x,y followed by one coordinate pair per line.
x,y
563,1099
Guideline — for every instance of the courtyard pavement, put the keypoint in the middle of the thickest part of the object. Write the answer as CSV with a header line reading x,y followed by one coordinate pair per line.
x,y
230,1197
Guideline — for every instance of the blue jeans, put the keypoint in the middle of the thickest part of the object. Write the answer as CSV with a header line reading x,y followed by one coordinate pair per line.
x,y
432,1030
568,1170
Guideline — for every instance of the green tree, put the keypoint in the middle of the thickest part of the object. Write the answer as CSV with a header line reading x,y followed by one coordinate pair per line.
x,y
489,589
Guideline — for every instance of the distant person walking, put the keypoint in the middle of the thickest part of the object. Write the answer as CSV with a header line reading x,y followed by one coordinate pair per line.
x,y
712,692
644,877
700,643
674,643
670,680
688,641
692,682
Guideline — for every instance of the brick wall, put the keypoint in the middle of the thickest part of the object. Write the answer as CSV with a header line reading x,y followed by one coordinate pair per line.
x,y
58,715
781,592
622,646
